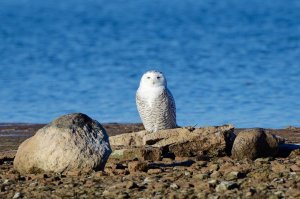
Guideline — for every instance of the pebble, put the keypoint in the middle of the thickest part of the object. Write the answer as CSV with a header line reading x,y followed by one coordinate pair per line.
x,y
174,186
212,183
213,167
131,185
154,171
168,160
33,184
233,175
6,182
279,193
123,195
215,174
201,163
105,193
250,192
149,179
17,195
201,176
295,168
136,166
99,174
263,160
188,173
226,185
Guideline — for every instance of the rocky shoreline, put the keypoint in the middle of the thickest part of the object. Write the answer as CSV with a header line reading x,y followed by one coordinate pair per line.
x,y
182,177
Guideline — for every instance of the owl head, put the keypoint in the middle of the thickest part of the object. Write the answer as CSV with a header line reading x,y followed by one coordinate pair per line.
x,y
153,79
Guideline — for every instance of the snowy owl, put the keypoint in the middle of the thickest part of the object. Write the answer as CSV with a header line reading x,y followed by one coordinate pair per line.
x,y
155,102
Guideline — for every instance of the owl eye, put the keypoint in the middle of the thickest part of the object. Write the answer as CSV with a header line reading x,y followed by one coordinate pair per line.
x,y
148,77
158,77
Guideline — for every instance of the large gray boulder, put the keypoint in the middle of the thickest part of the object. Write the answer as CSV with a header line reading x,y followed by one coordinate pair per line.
x,y
71,142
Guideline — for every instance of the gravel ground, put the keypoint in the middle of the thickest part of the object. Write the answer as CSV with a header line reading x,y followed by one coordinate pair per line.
x,y
196,177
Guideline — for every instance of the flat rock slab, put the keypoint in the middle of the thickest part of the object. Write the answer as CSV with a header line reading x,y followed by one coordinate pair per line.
x,y
185,135
128,139
184,142
140,153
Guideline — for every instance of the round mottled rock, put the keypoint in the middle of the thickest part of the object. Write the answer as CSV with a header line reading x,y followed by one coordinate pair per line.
x,y
71,142
254,143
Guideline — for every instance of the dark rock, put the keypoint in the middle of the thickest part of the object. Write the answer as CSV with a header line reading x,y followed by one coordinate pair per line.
x,y
254,143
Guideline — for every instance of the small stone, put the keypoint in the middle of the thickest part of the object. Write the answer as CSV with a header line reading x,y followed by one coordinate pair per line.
x,y
295,153
201,164
167,160
17,195
202,195
274,197
213,167
278,193
226,185
263,160
21,178
293,193
251,192
234,175
106,193
182,159
278,167
6,182
174,186
131,185
215,174
99,174
121,172
201,176
212,183
136,166
149,179
33,184
154,171
172,195
188,173
295,168
248,194
123,195
261,187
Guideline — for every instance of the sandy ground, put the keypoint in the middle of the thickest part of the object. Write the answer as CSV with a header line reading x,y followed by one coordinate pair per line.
x,y
179,178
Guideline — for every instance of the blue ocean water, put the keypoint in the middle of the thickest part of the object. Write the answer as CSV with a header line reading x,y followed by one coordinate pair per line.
x,y
232,61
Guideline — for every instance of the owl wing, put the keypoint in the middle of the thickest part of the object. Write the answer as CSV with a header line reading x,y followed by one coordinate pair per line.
x,y
167,107
143,109
172,106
